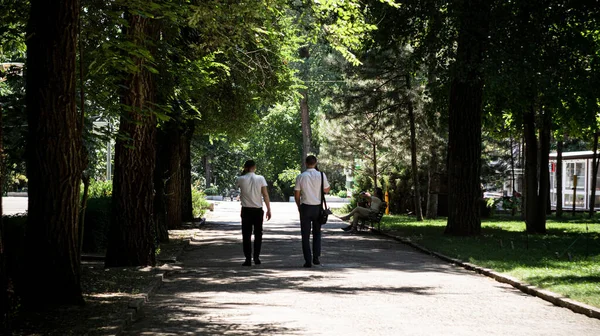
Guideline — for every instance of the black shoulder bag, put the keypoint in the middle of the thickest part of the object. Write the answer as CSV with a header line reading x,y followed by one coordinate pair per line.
x,y
324,210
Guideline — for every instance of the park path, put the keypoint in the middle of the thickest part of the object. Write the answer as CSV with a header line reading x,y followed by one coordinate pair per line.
x,y
367,285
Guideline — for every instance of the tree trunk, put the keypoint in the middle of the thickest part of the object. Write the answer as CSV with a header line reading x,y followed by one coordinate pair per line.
x,y
304,112
207,170
374,164
84,199
432,201
512,175
131,236
187,210
4,307
413,153
173,176
523,177
54,164
594,176
160,206
544,174
559,181
465,112
531,171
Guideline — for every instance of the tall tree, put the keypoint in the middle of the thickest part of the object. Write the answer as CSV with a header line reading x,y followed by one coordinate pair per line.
x,y
187,211
413,150
131,235
559,179
304,111
594,181
465,113
54,163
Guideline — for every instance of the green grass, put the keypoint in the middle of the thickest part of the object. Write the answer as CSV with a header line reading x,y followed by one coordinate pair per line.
x,y
566,260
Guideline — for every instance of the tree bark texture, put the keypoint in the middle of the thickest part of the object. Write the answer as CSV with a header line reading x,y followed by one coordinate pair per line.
x,y
207,169
131,235
413,153
54,163
160,205
531,171
512,174
544,174
432,187
465,113
187,210
4,308
84,200
173,177
306,131
305,114
559,180
374,146
594,177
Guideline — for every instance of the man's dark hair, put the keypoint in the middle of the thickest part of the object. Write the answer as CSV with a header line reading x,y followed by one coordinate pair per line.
x,y
311,160
247,165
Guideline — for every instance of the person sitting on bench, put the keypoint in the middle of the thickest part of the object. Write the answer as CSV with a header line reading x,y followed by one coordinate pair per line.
x,y
361,212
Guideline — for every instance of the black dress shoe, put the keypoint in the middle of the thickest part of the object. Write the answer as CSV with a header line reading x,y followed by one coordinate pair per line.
x,y
247,263
307,265
316,261
257,261
347,228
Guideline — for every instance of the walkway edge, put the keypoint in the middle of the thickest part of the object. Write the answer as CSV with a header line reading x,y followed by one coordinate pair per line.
x,y
135,306
554,298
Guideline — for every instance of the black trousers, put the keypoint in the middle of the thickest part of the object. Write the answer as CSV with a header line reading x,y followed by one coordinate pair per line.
x,y
252,220
309,219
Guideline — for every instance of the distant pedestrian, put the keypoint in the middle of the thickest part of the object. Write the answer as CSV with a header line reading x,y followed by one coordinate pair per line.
x,y
253,189
307,194
367,205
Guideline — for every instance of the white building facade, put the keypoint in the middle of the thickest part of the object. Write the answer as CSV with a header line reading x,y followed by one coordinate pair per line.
x,y
577,171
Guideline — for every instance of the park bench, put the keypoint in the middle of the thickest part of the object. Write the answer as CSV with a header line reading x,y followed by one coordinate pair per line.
x,y
374,219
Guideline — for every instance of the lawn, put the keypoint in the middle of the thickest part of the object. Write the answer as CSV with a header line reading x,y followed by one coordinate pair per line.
x,y
566,260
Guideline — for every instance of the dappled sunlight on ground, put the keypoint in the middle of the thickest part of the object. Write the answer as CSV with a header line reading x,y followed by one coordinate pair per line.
x,y
366,285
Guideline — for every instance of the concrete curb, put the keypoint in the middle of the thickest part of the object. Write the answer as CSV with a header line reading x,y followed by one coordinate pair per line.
x,y
549,296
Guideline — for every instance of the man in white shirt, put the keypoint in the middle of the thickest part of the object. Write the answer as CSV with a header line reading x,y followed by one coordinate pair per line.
x,y
307,194
253,188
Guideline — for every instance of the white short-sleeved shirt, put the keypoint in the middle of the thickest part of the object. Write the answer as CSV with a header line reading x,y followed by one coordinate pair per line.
x,y
309,184
375,203
250,186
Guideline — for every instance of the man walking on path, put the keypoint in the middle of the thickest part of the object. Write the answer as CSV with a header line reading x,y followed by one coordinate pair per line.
x,y
307,194
253,189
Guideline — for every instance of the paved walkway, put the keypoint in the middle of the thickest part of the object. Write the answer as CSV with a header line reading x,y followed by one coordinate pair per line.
x,y
366,286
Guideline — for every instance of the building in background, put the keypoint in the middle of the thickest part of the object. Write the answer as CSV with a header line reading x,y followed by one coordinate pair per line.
x,y
577,171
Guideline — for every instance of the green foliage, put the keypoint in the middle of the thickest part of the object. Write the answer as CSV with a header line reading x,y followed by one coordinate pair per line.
x,y
199,203
99,189
289,176
342,194
510,203
212,191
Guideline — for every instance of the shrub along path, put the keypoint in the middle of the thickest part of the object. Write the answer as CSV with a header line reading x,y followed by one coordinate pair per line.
x,y
367,285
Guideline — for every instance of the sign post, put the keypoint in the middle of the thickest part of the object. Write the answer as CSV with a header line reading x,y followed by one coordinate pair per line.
x,y
574,192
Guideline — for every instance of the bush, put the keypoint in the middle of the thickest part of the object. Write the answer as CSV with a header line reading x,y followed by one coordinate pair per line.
x,y
342,194
99,189
212,191
199,203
